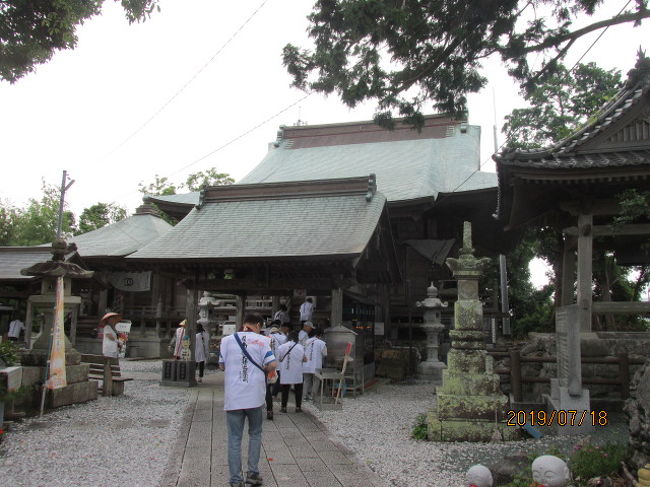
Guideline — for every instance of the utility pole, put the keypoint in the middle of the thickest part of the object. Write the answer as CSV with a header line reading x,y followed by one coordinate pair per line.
x,y
503,271
64,188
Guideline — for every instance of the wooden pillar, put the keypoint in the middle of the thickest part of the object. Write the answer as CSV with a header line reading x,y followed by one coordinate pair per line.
x,y
159,311
568,271
585,250
275,305
241,310
73,324
337,307
103,302
28,325
191,312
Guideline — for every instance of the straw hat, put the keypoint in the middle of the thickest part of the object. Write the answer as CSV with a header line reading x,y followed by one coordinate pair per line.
x,y
309,324
109,315
183,323
274,329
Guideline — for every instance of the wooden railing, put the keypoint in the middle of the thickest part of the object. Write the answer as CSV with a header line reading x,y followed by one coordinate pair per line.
x,y
622,360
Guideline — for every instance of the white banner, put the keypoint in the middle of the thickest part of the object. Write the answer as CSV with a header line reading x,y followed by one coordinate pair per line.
x,y
131,281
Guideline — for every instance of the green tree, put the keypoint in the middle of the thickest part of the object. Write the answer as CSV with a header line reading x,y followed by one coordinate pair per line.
x,y
99,215
159,187
407,53
9,218
210,177
38,221
561,105
32,30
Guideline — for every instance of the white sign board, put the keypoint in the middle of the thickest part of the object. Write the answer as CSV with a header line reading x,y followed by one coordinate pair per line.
x,y
379,328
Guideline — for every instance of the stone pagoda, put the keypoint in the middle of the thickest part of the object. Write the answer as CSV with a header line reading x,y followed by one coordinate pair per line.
x,y
470,405
431,369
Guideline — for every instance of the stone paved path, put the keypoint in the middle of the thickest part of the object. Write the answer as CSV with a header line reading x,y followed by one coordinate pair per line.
x,y
296,449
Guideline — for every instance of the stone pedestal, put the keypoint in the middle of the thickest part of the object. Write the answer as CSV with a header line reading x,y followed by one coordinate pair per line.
x,y
79,388
180,373
470,405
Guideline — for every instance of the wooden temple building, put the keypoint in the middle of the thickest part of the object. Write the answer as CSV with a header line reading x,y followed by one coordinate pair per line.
x,y
575,186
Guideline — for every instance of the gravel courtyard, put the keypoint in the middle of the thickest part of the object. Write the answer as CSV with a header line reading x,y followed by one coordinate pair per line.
x,y
377,427
113,441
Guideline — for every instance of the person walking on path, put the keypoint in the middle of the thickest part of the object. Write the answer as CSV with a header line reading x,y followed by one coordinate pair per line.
x,y
315,352
291,356
306,310
176,344
272,387
246,357
282,315
15,329
202,349
304,334
110,344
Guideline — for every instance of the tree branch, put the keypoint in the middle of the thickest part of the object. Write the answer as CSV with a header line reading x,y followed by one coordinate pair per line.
x,y
555,41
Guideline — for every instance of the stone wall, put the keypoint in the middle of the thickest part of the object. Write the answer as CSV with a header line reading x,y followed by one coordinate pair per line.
x,y
637,410
599,345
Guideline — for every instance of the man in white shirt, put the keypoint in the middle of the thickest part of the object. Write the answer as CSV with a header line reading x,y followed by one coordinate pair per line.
x,y
15,328
245,389
307,328
306,310
315,352
110,346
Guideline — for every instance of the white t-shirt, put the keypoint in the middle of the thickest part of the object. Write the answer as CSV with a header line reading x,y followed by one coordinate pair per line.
x,y
245,384
291,363
303,336
281,338
315,351
282,316
202,346
15,327
306,311
109,347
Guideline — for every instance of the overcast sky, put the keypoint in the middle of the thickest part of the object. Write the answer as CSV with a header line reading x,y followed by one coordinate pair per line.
x,y
84,110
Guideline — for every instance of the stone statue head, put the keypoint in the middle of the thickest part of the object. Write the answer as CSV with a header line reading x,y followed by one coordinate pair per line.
x,y
479,476
551,471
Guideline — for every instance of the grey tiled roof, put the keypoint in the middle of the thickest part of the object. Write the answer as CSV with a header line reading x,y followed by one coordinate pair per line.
x,y
121,238
184,198
405,170
14,259
586,161
311,226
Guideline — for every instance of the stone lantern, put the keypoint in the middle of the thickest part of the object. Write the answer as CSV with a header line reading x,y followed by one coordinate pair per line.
x,y
431,368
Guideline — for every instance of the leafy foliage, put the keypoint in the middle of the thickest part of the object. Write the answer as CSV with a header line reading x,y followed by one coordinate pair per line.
x,y
561,105
159,187
31,31
403,53
8,353
99,215
36,224
210,177
9,216
420,428
595,461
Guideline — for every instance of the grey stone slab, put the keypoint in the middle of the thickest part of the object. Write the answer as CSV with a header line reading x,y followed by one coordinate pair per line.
x,y
311,465
219,476
322,479
302,452
195,471
289,475
334,458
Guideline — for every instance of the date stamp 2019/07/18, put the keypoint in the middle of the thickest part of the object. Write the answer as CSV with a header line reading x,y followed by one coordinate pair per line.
x,y
562,417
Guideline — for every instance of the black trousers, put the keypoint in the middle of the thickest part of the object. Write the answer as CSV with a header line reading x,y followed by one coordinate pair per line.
x,y
297,389
201,368
269,396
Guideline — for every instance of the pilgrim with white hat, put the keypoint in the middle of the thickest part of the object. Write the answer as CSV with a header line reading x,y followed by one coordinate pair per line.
x,y
307,327
178,339
110,344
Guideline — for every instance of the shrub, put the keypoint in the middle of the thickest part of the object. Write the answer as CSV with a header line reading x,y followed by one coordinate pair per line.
x,y
592,461
8,353
420,428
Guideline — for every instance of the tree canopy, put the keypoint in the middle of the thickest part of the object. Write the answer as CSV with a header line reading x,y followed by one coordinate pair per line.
x,y
32,30
99,215
405,54
162,186
561,105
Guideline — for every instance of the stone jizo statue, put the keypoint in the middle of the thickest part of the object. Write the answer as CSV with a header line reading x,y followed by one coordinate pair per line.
x,y
551,471
479,476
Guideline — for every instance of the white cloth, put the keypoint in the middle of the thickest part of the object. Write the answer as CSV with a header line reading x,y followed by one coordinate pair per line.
x,y
244,384
315,351
282,316
15,327
303,336
178,341
109,347
281,338
291,363
202,346
306,311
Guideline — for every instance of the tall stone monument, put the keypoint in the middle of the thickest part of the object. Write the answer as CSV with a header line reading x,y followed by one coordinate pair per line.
x,y
470,405
431,369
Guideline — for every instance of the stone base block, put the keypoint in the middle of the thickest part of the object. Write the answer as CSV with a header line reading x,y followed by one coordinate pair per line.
x,y
71,394
431,371
180,373
488,407
74,374
39,357
464,384
565,423
468,430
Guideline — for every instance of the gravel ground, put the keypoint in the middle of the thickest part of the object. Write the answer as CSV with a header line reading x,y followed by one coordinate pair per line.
x,y
377,427
123,440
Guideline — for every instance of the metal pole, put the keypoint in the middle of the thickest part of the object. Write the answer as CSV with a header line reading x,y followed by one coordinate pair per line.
x,y
64,188
505,302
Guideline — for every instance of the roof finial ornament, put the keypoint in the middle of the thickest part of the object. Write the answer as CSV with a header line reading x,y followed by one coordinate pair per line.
x,y
641,71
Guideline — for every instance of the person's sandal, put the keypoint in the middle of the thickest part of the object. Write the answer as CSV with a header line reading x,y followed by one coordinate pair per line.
x,y
299,410
269,415
253,478
283,410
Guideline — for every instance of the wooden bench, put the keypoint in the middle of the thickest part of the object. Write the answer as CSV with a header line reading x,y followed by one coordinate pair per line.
x,y
107,370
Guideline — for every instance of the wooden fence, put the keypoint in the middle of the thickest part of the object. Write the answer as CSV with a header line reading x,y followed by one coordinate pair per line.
x,y
517,380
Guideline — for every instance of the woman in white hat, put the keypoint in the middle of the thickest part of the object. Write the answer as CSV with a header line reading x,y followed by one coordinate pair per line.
x,y
178,340
110,344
